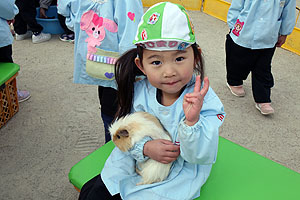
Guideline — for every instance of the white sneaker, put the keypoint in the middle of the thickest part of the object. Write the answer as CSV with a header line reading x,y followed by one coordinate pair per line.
x,y
28,34
42,37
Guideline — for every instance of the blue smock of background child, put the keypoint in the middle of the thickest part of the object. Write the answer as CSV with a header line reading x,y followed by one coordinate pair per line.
x,y
8,10
260,22
125,13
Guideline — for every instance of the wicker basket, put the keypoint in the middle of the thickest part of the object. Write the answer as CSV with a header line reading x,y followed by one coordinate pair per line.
x,y
9,104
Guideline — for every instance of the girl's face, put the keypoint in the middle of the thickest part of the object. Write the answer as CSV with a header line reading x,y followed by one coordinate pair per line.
x,y
168,71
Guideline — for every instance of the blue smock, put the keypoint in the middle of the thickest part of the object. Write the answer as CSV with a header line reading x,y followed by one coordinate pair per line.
x,y
257,24
198,146
125,13
8,10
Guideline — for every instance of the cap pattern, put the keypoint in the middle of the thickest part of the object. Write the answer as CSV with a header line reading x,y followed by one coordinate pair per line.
x,y
165,26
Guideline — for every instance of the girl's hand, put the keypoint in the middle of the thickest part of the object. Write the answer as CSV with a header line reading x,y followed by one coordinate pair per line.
x,y
193,102
281,40
163,151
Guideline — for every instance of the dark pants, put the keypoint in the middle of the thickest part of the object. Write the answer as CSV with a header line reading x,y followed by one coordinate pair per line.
x,y
240,61
62,22
109,106
6,54
26,17
95,189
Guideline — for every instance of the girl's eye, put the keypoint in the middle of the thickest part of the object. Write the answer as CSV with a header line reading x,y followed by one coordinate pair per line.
x,y
179,59
93,28
156,63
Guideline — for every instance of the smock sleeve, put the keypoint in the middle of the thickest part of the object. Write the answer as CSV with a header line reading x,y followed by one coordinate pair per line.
x,y
288,17
45,3
127,15
69,9
234,11
137,150
199,143
8,9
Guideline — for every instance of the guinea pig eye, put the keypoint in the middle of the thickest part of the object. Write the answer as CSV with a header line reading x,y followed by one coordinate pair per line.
x,y
118,137
99,32
93,28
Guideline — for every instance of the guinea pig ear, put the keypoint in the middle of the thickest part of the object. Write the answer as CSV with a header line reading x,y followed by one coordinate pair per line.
x,y
123,133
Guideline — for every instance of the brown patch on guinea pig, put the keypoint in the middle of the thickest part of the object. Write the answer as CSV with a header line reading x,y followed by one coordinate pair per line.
x,y
122,137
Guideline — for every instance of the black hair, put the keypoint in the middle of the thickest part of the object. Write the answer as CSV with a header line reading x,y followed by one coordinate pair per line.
x,y
126,72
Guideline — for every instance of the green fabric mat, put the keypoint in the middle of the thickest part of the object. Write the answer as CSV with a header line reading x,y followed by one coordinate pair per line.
x,y
239,174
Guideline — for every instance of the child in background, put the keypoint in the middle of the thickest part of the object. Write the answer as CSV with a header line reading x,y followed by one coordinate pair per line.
x,y
175,91
8,10
104,29
27,18
67,35
256,29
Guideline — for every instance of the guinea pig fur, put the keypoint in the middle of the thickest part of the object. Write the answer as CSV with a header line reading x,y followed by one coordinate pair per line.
x,y
128,130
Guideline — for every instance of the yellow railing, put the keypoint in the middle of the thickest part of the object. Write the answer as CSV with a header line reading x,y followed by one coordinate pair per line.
x,y
188,4
219,9
216,8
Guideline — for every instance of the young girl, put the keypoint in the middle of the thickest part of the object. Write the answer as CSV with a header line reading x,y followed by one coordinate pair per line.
x,y
104,29
170,59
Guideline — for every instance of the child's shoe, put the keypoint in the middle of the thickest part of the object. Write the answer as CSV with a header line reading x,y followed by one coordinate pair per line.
x,y
265,108
23,95
237,90
28,34
41,37
67,37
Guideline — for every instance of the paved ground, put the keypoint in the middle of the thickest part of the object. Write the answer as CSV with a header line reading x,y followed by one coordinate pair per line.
x,y
61,123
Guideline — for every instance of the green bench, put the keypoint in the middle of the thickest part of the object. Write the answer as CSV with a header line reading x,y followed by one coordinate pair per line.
x,y
238,174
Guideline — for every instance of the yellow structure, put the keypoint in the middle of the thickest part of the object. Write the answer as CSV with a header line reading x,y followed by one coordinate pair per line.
x,y
188,4
216,8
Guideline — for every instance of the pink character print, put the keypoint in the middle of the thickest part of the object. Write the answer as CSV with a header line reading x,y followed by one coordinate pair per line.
x,y
238,27
95,27
144,35
153,18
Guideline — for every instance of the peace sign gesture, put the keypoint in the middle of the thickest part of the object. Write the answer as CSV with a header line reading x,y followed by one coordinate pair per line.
x,y
192,102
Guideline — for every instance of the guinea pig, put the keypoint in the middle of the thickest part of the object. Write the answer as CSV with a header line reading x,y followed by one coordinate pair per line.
x,y
128,130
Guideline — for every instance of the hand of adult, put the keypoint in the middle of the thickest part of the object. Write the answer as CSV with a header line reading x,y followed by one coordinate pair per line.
x,y
43,13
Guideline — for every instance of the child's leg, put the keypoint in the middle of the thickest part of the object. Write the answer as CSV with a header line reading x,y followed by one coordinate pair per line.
x,y
109,105
95,189
62,22
238,62
26,16
6,54
20,25
107,120
262,78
